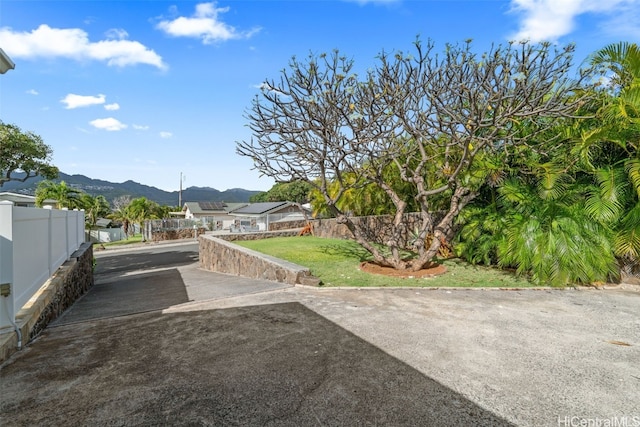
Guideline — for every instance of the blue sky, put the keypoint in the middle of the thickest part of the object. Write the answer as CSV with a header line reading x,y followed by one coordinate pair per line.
x,y
145,90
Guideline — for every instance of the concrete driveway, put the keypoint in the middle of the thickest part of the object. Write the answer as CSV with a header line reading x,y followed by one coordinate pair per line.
x,y
182,346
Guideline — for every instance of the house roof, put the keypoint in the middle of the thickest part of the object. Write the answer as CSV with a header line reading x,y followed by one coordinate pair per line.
x,y
211,208
103,222
204,207
15,197
233,206
22,198
261,208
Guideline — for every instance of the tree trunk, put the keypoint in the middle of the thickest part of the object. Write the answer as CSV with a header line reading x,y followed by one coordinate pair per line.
x,y
443,232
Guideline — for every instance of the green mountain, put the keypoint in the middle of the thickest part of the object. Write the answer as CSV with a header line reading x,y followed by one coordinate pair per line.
x,y
111,190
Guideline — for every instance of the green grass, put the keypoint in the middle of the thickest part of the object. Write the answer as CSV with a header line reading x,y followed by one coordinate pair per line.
x,y
336,263
137,238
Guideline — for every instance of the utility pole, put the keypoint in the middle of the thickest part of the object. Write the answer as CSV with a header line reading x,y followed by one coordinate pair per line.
x,y
180,193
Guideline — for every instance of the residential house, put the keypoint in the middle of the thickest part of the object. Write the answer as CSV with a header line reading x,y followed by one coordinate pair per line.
x,y
24,200
258,216
213,215
106,231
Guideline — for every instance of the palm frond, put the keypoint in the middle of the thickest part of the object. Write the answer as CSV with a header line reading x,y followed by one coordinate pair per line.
x,y
606,203
633,170
627,239
552,181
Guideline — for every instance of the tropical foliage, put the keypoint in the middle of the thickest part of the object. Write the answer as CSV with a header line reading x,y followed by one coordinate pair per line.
x,y
95,207
571,215
294,191
23,155
141,209
64,195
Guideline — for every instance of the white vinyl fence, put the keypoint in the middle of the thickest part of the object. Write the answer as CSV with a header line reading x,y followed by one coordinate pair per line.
x,y
33,244
105,235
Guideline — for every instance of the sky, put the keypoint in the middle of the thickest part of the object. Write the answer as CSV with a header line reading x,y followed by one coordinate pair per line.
x,y
152,91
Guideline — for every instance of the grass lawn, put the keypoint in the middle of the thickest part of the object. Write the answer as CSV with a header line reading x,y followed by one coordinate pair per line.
x,y
137,238
336,263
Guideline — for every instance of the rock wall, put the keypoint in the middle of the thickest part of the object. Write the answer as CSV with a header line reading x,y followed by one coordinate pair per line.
x,y
175,234
72,280
224,257
376,227
287,225
257,236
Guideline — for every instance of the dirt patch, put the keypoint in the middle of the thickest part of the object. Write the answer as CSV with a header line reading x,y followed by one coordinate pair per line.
x,y
430,271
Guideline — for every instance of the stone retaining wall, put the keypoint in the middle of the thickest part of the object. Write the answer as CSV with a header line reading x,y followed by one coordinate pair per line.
x,y
176,234
224,257
69,282
287,225
376,227
230,237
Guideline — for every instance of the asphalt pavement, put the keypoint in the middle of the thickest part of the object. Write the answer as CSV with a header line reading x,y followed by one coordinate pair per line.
x,y
158,341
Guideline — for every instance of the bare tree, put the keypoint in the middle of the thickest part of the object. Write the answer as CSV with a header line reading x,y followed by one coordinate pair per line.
x,y
433,117
121,202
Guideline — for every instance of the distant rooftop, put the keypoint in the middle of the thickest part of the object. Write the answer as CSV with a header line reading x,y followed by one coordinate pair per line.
x,y
261,208
212,206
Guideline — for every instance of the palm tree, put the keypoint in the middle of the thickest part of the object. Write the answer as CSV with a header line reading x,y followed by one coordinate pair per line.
x,y
566,218
622,61
65,196
141,209
540,227
94,207
122,215
611,149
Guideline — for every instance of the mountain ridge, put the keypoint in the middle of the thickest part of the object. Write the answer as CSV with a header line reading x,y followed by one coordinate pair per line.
x,y
111,190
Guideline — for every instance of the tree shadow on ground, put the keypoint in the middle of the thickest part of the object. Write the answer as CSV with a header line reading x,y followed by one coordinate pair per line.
x,y
353,251
269,365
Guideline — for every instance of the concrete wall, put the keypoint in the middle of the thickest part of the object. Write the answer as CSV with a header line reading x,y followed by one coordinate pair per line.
x,y
225,257
68,283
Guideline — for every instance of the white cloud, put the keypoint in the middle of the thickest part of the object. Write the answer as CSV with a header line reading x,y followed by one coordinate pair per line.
x,y
73,43
33,92
204,24
116,34
109,124
625,24
77,101
112,107
548,20
140,127
165,135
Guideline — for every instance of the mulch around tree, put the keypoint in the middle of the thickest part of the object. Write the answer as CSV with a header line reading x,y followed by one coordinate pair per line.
x,y
430,271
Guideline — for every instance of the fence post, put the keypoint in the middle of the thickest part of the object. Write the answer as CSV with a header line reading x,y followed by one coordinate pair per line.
x,y
50,240
80,225
7,309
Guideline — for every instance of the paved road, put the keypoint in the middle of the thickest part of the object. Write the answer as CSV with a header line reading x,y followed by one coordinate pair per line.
x,y
175,345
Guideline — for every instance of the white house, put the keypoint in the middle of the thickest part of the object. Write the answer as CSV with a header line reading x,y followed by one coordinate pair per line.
x,y
24,200
192,210
258,216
